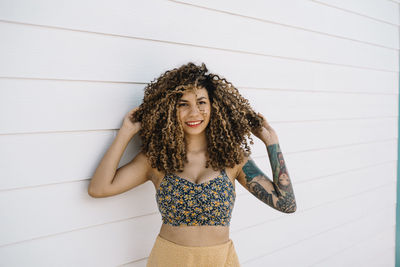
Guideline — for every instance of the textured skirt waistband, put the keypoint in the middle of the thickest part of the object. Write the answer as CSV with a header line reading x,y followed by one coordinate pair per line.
x,y
167,254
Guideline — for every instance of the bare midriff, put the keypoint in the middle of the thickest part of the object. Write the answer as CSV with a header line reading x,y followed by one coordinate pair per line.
x,y
195,236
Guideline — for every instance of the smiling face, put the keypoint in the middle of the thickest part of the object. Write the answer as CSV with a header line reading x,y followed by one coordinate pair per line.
x,y
194,111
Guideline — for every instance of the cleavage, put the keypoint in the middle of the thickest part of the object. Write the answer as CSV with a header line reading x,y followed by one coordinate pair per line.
x,y
199,182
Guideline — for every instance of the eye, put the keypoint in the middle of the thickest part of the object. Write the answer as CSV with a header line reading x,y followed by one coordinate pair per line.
x,y
203,102
181,104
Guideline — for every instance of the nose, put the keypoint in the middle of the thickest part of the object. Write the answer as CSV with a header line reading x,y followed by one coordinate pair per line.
x,y
196,109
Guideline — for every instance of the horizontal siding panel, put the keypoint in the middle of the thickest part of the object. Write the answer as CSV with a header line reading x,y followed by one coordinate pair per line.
x,y
333,160
385,10
344,79
318,134
111,58
125,234
343,185
224,35
72,208
60,209
105,245
66,105
300,106
320,18
363,253
48,157
386,258
230,32
323,72
53,58
317,193
38,159
308,243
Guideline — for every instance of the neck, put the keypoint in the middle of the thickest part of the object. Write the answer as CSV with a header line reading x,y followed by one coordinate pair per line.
x,y
196,143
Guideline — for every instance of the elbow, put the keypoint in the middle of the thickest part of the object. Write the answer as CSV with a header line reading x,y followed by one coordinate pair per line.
x,y
95,194
291,209
287,207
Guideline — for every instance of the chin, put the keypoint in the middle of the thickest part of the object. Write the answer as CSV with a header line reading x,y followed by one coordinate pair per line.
x,y
194,132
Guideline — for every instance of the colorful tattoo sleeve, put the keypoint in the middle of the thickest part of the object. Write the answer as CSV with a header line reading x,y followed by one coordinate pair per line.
x,y
277,193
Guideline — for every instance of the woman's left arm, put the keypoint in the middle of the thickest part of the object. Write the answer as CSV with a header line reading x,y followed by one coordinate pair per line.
x,y
279,192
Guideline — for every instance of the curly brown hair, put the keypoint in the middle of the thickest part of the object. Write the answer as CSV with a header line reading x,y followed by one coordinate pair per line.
x,y
231,120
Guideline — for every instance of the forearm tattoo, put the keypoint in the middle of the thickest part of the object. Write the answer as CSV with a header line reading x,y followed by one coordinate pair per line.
x,y
277,193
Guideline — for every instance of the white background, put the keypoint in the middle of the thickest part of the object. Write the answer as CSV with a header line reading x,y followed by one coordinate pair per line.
x,y
324,73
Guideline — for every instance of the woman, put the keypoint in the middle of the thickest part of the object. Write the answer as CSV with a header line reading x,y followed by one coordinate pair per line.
x,y
193,127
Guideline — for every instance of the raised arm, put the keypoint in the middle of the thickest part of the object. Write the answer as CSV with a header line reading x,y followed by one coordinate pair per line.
x,y
277,193
107,180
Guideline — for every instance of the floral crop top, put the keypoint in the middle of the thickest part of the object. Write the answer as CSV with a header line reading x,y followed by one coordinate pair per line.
x,y
181,201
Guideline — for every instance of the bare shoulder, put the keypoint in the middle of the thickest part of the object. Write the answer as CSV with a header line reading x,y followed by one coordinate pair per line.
x,y
238,170
235,171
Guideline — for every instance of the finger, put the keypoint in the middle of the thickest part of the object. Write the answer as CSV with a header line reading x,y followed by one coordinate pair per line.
x,y
261,116
133,110
130,114
265,122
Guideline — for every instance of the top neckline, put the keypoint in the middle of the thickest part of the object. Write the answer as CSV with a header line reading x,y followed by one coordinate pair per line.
x,y
221,174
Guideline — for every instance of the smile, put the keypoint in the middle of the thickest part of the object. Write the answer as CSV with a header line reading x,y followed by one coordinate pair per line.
x,y
193,123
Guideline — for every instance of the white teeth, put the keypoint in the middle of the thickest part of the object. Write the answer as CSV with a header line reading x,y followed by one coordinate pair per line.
x,y
193,123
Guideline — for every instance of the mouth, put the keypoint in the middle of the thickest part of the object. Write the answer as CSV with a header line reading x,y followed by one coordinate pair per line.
x,y
193,123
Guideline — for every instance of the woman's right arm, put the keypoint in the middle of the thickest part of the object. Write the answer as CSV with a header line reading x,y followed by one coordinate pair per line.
x,y
107,179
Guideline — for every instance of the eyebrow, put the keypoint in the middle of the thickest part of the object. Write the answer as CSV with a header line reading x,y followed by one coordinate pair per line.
x,y
200,98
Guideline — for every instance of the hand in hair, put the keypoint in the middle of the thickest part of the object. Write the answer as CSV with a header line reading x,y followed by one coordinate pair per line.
x,y
129,124
267,134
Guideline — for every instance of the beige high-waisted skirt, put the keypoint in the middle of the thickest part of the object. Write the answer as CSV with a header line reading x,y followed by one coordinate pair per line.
x,y
169,254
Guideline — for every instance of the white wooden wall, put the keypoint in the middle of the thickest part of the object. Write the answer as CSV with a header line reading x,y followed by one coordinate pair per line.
x,y
324,73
